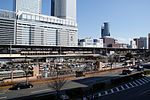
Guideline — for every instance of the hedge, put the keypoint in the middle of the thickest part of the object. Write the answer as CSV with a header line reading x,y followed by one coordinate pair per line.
x,y
99,86
126,79
7,84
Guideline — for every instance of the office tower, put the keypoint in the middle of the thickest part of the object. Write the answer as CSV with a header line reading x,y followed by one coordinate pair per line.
x,y
26,26
65,9
141,42
32,6
149,41
105,30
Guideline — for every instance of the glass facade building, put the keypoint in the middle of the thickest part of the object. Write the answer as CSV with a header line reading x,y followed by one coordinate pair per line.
x,y
32,6
105,30
64,9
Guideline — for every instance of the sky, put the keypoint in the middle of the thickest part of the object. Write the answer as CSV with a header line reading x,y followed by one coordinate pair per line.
x,y
128,18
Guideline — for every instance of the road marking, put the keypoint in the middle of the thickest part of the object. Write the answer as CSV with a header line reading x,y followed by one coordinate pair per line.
x,y
138,82
106,92
127,86
131,84
3,97
141,81
135,83
122,87
117,89
145,80
40,91
112,91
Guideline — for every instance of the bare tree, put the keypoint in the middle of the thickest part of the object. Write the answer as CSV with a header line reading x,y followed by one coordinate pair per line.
x,y
57,84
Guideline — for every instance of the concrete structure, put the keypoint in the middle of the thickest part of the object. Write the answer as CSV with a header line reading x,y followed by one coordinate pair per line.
x,y
99,67
89,42
119,45
64,9
141,42
32,6
105,30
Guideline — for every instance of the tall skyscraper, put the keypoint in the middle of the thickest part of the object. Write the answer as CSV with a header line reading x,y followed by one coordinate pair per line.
x,y
149,41
32,6
105,30
64,9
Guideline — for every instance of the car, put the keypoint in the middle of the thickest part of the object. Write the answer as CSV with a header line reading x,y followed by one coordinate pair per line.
x,y
63,96
126,71
140,68
131,69
19,86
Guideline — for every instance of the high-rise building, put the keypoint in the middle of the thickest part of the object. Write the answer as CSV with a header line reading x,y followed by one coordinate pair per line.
x,y
141,42
32,6
105,30
64,9
26,26
149,41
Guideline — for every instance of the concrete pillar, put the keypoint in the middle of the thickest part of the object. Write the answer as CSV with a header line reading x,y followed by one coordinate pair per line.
x,y
133,61
99,66
35,71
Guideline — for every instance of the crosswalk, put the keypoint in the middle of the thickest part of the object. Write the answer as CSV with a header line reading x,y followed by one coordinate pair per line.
x,y
126,86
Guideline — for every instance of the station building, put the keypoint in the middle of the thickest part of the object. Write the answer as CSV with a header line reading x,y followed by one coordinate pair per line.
x,y
26,26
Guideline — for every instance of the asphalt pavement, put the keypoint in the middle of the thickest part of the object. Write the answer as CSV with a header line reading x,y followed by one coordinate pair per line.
x,y
139,92
43,89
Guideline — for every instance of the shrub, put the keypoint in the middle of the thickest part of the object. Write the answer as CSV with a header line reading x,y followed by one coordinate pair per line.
x,y
99,86
126,79
76,92
147,72
6,84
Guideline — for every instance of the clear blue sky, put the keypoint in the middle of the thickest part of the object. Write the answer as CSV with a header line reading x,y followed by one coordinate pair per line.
x,y
128,18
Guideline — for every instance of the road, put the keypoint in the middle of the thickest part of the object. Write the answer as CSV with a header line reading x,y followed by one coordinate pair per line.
x,y
43,89
137,93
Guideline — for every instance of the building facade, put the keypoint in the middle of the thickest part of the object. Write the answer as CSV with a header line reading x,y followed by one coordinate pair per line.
x,y
89,42
105,30
26,26
141,42
132,45
149,41
35,29
7,27
32,6
65,9
107,41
